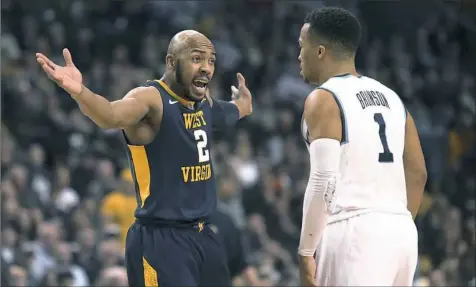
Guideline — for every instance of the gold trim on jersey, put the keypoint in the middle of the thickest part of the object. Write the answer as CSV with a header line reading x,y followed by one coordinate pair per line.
x,y
141,167
150,275
184,102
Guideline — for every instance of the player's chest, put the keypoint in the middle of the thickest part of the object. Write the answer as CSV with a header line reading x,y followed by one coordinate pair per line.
x,y
191,125
191,134
190,119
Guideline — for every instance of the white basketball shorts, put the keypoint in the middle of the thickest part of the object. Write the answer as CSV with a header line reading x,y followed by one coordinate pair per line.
x,y
372,249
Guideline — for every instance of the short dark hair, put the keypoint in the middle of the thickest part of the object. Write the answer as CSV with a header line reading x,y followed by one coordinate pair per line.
x,y
337,26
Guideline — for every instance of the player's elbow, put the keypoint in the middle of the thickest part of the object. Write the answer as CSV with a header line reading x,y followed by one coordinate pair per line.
x,y
417,175
420,174
423,176
107,119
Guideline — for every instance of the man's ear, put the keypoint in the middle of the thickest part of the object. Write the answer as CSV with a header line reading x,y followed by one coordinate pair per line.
x,y
170,62
321,51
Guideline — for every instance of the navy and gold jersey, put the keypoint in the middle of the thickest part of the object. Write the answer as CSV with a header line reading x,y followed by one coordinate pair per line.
x,y
174,174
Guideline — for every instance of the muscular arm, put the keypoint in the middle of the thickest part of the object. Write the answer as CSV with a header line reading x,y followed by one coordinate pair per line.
x,y
226,114
322,117
414,165
118,114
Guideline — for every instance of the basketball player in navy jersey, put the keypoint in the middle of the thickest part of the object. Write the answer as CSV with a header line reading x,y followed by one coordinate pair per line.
x,y
167,125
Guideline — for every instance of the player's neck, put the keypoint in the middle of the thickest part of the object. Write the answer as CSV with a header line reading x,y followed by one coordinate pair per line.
x,y
340,68
174,86
177,88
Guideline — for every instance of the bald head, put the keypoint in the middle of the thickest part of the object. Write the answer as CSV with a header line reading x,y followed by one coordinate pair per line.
x,y
190,64
187,40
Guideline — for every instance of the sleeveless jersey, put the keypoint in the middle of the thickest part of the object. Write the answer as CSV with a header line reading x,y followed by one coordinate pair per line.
x,y
174,174
373,137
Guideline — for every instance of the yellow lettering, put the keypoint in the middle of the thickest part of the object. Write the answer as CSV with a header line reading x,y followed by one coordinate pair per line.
x,y
203,172
194,120
185,173
202,117
188,120
193,173
196,173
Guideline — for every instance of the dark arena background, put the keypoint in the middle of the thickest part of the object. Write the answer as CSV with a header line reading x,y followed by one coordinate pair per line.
x,y
66,194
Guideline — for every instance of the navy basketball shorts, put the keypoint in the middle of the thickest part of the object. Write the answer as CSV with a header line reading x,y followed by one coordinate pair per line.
x,y
175,256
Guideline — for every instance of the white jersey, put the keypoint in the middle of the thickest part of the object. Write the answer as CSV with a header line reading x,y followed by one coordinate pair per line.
x,y
373,137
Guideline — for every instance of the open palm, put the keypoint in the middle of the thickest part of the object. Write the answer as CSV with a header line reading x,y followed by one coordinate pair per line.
x,y
67,77
243,93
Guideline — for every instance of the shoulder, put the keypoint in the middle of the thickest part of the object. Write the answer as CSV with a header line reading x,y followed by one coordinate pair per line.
x,y
320,102
148,96
322,115
144,93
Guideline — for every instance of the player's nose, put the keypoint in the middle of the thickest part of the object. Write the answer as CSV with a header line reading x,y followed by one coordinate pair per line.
x,y
205,69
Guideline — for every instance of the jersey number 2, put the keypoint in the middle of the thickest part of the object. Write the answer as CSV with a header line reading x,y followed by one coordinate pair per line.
x,y
386,155
201,138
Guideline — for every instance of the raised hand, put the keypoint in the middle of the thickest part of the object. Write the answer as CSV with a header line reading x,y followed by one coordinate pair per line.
x,y
67,77
242,95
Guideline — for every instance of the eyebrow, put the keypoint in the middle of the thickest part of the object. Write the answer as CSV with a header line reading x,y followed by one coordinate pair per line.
x,y
201,51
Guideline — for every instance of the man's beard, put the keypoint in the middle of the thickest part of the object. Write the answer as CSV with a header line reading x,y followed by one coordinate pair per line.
x,y
180,82
178,74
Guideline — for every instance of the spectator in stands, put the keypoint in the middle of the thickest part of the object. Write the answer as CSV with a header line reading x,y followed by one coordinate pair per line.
x,y
118,207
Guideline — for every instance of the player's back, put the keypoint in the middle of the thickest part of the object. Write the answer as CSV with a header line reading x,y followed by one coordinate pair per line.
x,y
173,174
371,167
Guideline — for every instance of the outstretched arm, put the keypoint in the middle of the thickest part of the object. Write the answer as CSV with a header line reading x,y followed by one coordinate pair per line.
x,y
118,114
226,114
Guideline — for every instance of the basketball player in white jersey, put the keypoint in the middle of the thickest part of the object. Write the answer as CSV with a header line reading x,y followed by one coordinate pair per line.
x,y
367,168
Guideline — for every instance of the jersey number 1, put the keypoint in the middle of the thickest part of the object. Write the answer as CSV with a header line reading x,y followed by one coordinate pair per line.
x,y
386,155
201,138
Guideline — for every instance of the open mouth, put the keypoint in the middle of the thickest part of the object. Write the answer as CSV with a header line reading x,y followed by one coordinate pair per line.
x,y
200,84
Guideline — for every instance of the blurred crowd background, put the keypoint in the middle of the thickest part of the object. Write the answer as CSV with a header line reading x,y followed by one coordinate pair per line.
x,y
66,193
